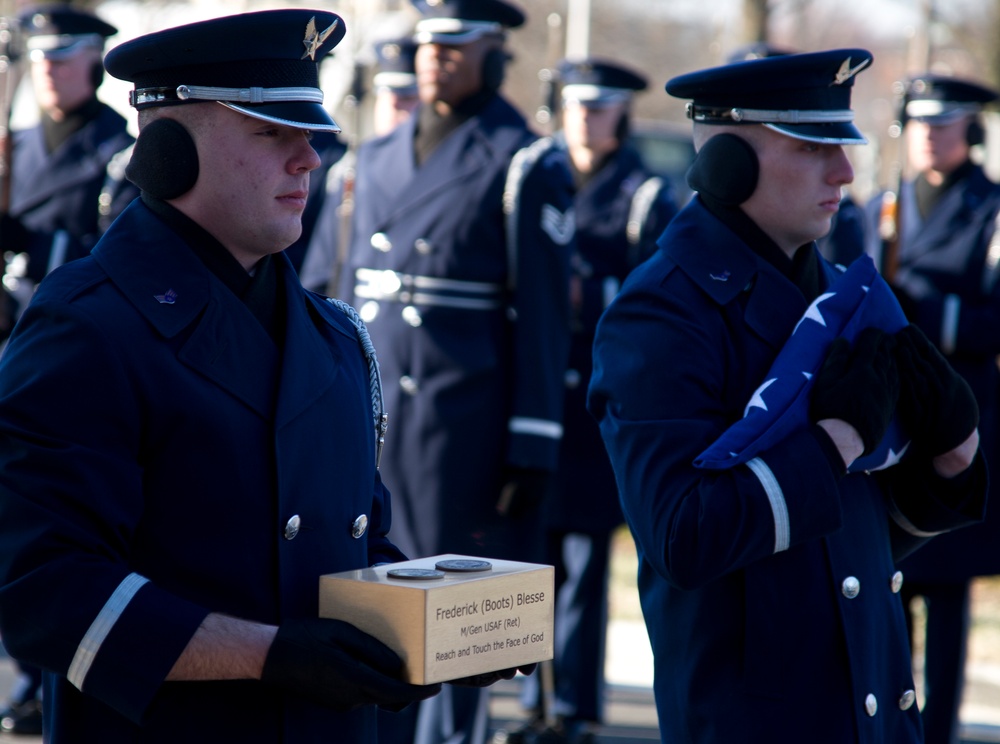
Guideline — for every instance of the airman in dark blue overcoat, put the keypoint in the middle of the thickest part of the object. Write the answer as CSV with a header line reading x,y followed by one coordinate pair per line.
x,y
621,209
188,438
58,166
458,262
937,243
769,588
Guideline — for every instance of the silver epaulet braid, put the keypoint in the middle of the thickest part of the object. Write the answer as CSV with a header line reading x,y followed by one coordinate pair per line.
x,y
374,376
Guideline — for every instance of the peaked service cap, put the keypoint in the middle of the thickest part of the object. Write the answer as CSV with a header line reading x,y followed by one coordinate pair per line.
x,y
59,31
395,64
464,21
806,96
940,99
263,64
597,82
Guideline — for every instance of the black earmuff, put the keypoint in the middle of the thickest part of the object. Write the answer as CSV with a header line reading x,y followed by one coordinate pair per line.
x,y
494,69
975,134
622,127
725,169
97,74
164,160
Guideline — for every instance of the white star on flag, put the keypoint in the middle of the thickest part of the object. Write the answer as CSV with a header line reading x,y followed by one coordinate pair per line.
x,y
892,457
858,298
756,401
813,313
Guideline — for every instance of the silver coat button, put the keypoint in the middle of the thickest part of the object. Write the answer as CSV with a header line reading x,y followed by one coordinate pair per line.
x,y
359,526
380,242
573,378
422,246
292,527
897,582
871,705
907,700
851,587
408,385
412,317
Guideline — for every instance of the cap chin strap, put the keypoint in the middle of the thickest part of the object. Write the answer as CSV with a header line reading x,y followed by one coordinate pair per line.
x,y
235,95
768,116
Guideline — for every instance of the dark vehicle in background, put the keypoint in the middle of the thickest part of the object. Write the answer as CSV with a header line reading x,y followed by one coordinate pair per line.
x,y
667,150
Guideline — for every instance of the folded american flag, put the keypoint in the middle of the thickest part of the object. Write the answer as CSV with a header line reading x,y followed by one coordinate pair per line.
x,y
857,299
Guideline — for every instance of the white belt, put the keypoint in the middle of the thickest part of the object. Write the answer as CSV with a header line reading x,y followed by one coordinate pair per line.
x,y
392,286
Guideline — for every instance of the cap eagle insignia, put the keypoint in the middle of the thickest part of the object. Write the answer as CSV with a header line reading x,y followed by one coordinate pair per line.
x,y
846,72
314,39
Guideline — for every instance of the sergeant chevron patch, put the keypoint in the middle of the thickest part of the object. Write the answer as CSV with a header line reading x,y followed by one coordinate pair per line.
x,y
560,226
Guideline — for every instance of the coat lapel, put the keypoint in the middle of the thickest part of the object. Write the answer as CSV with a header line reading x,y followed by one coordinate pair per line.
x,y
83,157
216,334
724,267
310,363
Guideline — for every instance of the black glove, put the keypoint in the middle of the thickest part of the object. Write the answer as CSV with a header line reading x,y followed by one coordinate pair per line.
x,y
906,302
333,664
489,678
14,236
936,404
523,491
859,385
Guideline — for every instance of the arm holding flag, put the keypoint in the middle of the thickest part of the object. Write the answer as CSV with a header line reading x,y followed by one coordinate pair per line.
x,y
714,497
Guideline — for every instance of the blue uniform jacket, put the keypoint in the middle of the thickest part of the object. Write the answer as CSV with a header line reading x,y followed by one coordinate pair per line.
x,y
467,306
620,212
949,269
768,590
154,447
55,195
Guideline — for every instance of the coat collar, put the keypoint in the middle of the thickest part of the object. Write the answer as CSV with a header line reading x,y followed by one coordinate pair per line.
x,y
724,267
82,157
215,332
494,132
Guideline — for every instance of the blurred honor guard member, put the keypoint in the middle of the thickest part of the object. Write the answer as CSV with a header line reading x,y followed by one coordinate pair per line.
x,y
395,84
940,249
458,263
187,437
59,165
769,587
621,209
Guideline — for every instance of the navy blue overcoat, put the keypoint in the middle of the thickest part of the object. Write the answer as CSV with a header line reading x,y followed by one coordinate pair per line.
x,y
460,269
56,195
769,590
949,265
620,212
155,446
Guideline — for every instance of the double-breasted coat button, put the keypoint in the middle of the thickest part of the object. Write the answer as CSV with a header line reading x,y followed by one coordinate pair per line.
x,y
412,317
380,242
871,705
292,527
359,526
851,587
408,385
896,583
907,699
422,246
